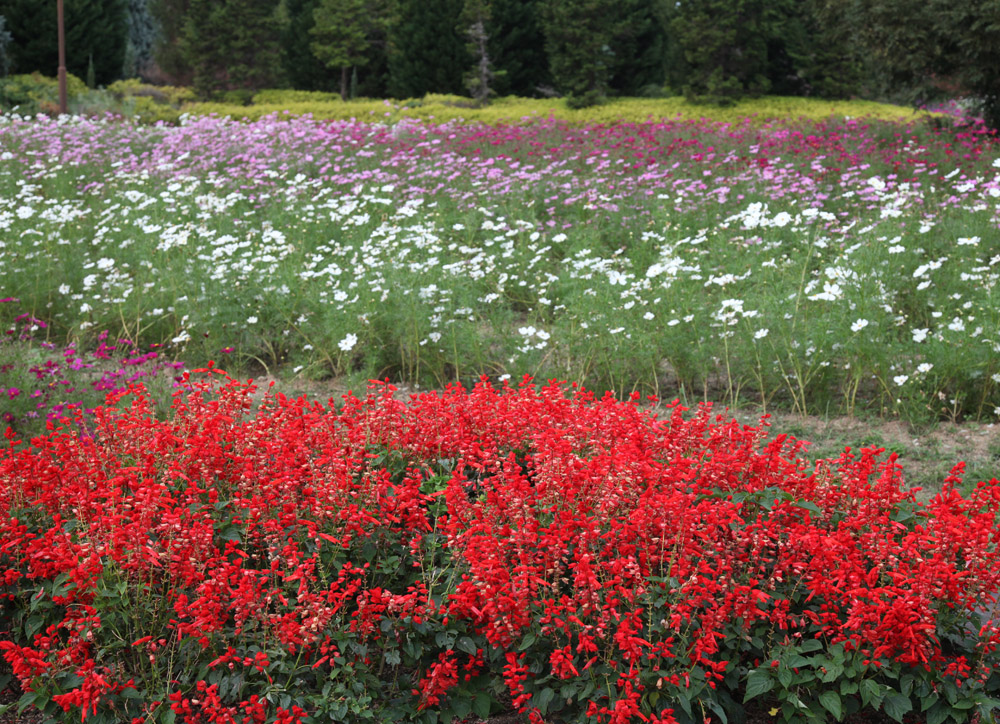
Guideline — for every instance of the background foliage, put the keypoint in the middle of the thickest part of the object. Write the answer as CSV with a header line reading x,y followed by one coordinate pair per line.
x,y
715,51
96,30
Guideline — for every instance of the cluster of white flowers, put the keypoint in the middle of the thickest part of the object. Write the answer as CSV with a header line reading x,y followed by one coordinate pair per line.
x,y
342,250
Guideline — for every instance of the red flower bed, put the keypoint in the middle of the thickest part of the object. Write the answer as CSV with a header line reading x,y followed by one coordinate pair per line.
x,y
577,559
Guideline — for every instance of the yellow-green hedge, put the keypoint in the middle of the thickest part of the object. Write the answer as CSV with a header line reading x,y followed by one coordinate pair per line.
x,y
168,103
516,110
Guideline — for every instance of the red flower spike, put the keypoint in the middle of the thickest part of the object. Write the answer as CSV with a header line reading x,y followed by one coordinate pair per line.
x,y
597,536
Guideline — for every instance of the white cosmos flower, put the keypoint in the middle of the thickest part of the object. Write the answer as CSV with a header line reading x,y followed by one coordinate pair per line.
x,y
859,325
924,367
919,335
348,342
900,380
64,289
956,325
648,316
251,320
760,333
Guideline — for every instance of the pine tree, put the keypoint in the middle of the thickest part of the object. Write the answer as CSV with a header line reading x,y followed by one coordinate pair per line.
x,y
232,45
426,52
579,35
473,23
93,28
814,57
140,38
517,47
5,40
342,34
640,48
725,44
169,17
302,69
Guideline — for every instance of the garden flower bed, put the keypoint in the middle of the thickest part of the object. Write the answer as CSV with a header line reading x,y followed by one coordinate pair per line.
x,y
463,553
825,267
40,381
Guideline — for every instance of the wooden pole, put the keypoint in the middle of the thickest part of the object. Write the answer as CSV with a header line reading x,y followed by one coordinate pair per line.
x,y
62,57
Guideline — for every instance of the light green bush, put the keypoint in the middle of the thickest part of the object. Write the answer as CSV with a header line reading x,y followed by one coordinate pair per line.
x,y
160,94
35,93
287,96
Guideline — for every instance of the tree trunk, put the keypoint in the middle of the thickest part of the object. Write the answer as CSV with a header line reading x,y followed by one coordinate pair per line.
x,y
343,82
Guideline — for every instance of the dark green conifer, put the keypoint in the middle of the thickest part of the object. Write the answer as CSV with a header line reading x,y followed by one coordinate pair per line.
x,y
233,45
94,28
426,52
517,48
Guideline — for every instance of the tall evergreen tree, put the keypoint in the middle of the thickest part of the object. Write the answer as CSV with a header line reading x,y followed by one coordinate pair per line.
x,y
94,29
233,44
140,38
343,33
725,45
517,47
581,37
639,48
426,52
303,70
814,57
473,23
5,40
168,52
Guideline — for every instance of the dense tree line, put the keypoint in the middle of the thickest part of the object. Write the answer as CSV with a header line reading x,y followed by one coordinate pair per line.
x,y
586,50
